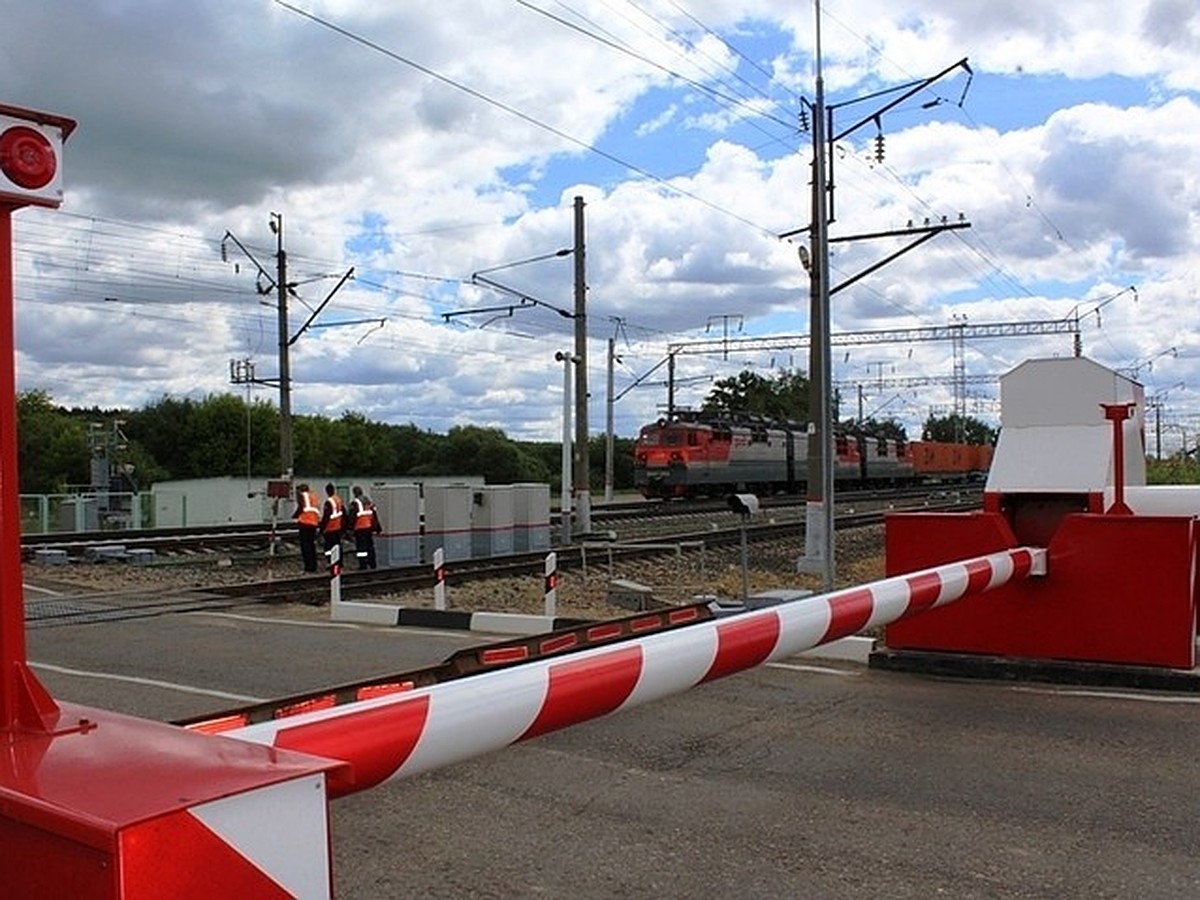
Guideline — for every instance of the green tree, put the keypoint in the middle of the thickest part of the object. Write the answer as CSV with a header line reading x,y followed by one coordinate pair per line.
x,y
783,398
410,447
549,457
52,446
956,429
622,461
175,438
471,450
196,439
1177,469
880,428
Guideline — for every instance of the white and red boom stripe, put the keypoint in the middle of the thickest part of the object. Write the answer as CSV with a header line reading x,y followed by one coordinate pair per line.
x,y
398,735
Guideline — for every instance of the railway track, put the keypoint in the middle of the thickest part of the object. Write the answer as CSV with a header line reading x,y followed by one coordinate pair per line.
x,y
639,518
232,538
718,527
721,532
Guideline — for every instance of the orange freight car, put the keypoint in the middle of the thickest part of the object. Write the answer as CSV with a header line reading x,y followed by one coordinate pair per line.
x,y
951,462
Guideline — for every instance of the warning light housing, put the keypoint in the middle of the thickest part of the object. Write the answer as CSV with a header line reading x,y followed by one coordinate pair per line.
x,y
31,145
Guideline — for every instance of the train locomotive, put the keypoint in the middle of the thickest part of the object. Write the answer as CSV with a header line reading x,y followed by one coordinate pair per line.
x,y
690,455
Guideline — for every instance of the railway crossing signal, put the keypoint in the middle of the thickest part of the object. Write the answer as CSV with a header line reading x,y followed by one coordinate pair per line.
x,y
31,147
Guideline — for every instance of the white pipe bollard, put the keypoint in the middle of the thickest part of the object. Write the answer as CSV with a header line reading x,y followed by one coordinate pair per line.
x,y
411,732
439,579
550,584
335,574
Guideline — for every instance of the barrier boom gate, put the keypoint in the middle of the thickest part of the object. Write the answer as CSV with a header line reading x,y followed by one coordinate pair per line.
x,y
411,732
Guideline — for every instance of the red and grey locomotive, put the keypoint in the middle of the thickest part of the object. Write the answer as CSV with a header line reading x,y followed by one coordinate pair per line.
x,y
690,455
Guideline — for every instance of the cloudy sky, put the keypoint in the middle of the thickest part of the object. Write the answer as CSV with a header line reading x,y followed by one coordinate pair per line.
x,y
424,141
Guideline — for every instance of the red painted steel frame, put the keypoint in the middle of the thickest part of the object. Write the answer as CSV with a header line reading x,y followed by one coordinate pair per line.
x,y
104,808
1121,589
24,703
1117,413
94,804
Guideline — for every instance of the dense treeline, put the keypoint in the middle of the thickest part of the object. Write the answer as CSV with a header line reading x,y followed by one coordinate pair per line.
x,y
785,397
177,438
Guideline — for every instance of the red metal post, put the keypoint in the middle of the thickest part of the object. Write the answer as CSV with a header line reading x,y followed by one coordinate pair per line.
x,y
24,703
1117,413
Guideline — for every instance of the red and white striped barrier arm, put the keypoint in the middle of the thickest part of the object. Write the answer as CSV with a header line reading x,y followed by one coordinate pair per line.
x,y
408,733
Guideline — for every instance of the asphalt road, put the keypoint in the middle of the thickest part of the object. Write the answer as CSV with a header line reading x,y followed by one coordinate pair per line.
x,y
811,779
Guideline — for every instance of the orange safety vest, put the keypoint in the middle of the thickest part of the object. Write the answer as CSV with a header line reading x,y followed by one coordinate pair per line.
x,y
309,514
335,517
364,514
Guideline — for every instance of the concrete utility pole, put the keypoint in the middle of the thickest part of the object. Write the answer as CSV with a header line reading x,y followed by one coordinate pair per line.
x,y
608,424
582,489
818,540
564,499
286,453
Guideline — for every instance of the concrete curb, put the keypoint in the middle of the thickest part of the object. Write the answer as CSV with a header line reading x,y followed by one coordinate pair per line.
x,y
850,649
398,616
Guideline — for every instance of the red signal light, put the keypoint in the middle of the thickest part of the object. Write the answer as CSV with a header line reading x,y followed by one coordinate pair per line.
x,y
27,158
31,149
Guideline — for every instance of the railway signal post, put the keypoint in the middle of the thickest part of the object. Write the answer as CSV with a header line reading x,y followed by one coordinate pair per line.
x,y
745,505
31,147
95,804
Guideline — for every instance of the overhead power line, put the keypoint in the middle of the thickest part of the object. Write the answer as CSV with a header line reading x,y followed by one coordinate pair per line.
x,y
523,116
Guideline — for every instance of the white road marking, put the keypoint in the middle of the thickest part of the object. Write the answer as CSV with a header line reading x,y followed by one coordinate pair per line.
x,y
264,620
149,682
41,590
1110,695
402,630
816,670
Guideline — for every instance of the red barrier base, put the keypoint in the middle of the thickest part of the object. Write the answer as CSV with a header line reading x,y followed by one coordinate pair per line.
x,y
1046,671
1119,590
110,806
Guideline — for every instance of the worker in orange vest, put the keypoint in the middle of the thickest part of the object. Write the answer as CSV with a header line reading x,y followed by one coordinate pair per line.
x,y
308,519
333,517
365,519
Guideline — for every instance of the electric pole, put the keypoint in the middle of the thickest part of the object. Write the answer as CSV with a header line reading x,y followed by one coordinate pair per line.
x,y
581,483
286,454
819,519
608,424
818,522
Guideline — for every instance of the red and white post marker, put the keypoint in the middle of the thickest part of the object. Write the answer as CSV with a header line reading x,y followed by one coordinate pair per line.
x,y
439,579
550,584
335,573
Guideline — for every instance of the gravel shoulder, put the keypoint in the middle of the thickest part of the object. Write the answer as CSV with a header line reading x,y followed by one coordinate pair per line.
x,y
673,578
